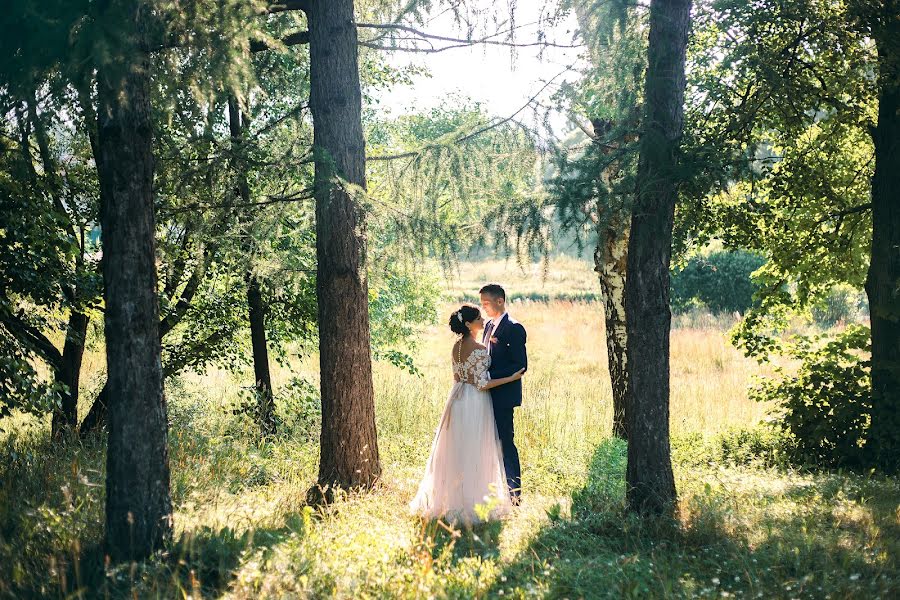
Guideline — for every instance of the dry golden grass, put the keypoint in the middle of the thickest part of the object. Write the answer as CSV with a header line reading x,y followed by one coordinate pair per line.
x,y
243,531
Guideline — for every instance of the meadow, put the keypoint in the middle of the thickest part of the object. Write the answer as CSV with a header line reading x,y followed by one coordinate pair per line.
x,y
748,525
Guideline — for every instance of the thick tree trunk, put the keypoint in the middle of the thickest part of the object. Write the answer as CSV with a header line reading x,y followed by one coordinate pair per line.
x,y
650,483
349,449
610,263
138,504
883,281
65,419
265,412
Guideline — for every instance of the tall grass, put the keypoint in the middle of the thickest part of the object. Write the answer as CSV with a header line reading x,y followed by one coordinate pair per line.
x,y
748,526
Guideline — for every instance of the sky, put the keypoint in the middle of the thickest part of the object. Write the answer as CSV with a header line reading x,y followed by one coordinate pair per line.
x,y
501,78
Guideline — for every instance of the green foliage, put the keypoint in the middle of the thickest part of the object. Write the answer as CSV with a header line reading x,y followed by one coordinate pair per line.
x,y
720,280
780,102
592,179
48,265
298,406
453,169
758,445
21,386
841,304
825,406
399,301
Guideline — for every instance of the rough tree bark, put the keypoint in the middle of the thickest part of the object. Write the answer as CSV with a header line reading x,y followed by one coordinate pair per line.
x,y
255,305
138,504
349,448
650,483
883,280
610,263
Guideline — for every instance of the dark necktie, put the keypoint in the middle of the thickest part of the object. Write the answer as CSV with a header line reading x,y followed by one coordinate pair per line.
x,y
486,340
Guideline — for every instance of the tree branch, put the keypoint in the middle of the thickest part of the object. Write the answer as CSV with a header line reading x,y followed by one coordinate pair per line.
x,y
32,338
305,194
475,133
458,42
294,39
288,5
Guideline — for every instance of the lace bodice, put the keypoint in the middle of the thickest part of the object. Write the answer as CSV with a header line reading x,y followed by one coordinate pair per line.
x,y
474,369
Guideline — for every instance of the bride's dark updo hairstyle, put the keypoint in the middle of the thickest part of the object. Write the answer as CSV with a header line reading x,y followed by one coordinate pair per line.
x,y
465,314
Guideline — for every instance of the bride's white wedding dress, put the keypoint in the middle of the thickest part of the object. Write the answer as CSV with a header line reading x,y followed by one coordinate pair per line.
x,y
465,468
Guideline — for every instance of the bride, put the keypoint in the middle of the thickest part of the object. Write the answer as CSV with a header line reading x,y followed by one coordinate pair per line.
x,y
465,469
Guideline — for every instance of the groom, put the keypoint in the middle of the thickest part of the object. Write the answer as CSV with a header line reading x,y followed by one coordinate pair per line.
x,y
505,339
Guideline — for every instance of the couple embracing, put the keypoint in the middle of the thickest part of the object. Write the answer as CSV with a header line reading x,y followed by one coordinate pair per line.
x,y
474,461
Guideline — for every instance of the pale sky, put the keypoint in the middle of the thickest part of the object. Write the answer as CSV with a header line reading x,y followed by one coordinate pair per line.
x,y
501,78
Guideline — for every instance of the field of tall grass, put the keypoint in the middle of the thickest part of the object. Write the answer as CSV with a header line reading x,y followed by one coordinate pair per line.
x,y
748,525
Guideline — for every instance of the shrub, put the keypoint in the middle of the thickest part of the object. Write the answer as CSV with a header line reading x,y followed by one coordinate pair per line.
x,y
825,407
721,281
842,303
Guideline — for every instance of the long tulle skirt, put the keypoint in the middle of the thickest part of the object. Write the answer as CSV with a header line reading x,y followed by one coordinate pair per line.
x,y
464,479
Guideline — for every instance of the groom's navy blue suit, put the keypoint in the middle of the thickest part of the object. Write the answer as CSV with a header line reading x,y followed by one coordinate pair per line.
x,y
507,357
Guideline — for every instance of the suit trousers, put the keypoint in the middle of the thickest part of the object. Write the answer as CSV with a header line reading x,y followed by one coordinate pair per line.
x,y
505,429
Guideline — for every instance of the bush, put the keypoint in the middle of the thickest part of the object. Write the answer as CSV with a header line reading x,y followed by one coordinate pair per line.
x,y
721,281
825,407
843,303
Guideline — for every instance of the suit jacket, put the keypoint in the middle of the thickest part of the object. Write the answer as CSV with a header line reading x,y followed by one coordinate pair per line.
x,y
508,355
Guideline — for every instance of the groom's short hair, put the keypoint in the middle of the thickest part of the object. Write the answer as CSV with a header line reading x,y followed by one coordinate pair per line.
x,y
494,290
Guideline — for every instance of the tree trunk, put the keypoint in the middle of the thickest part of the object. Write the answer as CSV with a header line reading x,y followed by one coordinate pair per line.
x,y
264,398
138,503
65,419
265,411
96,416
349,448
610,263
883,281
650,483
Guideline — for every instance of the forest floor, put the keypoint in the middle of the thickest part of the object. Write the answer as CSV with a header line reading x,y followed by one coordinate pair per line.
x,y
748,526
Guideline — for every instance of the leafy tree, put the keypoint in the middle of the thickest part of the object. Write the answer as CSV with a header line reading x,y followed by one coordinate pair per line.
x,y
787,120
721,281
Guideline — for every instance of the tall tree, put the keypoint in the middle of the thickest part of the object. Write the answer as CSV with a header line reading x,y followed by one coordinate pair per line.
x,y
138,503
256,310
883,281
349,448
650,482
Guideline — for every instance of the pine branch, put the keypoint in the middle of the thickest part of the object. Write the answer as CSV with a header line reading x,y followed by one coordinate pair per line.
x,y
302,195
477,132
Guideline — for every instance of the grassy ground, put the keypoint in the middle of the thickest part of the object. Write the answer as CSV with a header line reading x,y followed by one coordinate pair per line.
x,y
747,527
